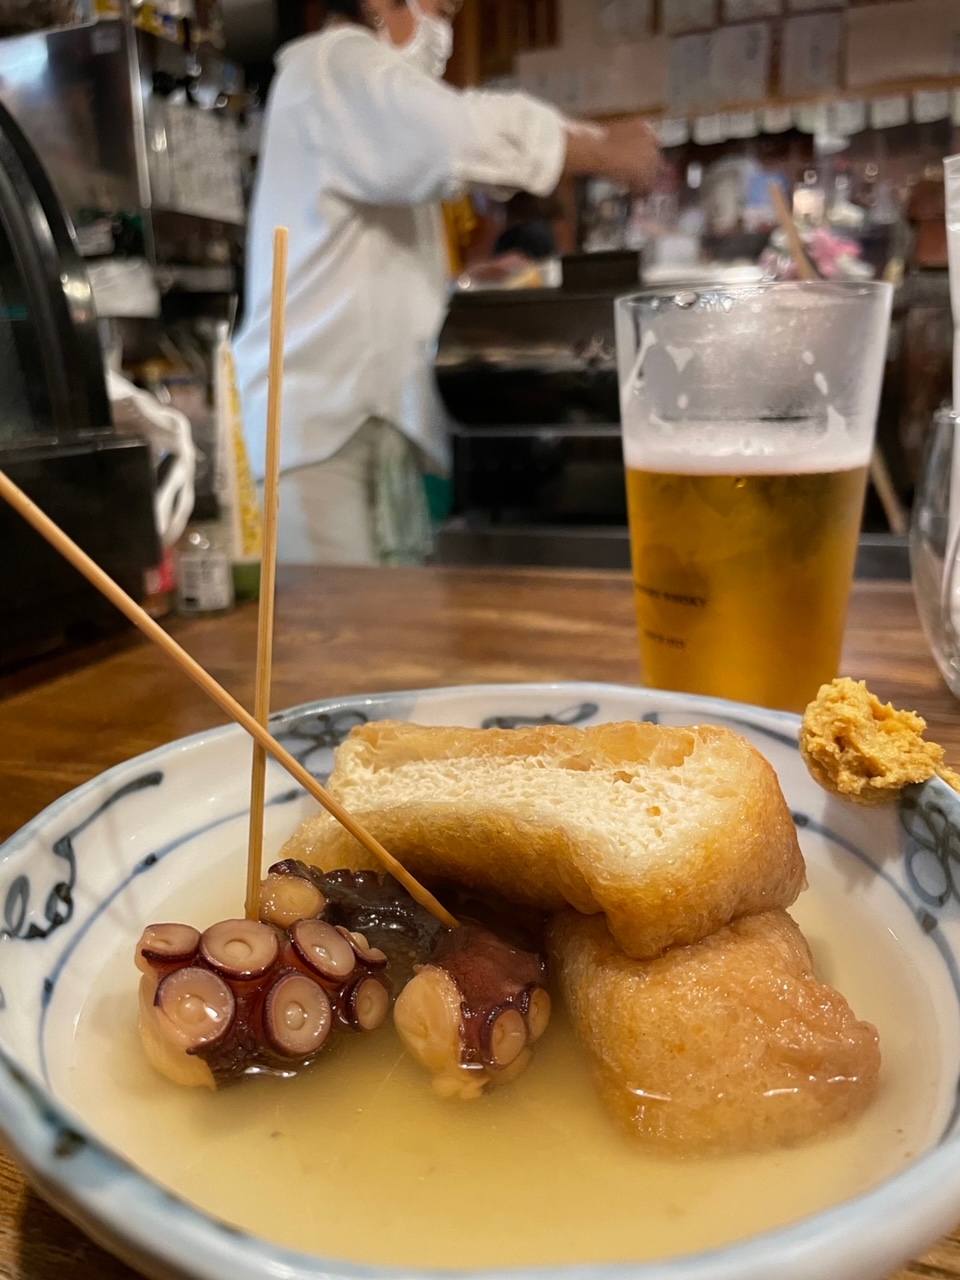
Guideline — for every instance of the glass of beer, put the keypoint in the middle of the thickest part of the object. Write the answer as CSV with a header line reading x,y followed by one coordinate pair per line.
x,y
748,421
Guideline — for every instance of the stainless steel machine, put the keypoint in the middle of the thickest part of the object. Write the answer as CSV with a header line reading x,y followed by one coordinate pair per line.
x,y
135,133
139,134
529,377
57,439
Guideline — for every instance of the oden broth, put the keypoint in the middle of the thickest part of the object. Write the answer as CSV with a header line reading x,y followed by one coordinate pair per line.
x,y
359,1160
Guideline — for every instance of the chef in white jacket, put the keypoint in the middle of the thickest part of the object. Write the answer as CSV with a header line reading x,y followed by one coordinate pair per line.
x,y
362,141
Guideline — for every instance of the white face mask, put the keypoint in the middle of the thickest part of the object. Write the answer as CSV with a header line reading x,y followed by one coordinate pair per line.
x,y
431,45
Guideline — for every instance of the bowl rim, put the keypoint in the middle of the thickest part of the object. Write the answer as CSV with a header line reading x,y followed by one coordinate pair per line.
x,y
131,1216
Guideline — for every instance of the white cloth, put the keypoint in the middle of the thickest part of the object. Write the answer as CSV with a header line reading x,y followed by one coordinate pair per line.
x,y
359,147
365,505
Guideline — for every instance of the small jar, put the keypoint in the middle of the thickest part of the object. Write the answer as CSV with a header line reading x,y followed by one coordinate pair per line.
x,y
204,570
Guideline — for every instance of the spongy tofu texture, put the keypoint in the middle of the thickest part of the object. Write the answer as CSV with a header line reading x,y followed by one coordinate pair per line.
x,y
727,1045
670,832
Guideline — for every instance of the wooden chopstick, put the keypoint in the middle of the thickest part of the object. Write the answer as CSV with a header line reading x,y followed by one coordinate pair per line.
x,y
880,476
268,571
804,266
53,534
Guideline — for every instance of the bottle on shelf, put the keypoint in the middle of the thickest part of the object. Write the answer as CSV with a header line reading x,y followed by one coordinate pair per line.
x,y
160,586
204,570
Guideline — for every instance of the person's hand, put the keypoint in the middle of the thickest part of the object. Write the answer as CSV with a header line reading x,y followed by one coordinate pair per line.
x,y
633,155
625,151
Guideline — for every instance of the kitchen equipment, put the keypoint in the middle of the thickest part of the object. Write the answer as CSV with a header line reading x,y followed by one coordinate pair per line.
x,y
57,440
144,157
529,379
139,135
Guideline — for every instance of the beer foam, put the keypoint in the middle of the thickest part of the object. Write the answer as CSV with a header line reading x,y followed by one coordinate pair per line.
x,y
748,448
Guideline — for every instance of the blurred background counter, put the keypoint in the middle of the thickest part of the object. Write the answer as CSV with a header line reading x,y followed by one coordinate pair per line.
x,y
145,119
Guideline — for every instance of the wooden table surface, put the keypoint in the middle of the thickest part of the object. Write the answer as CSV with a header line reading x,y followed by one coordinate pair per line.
x,y
351,631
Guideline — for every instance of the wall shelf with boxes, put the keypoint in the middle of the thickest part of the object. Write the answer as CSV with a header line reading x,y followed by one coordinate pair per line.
x,y
831,115
689,58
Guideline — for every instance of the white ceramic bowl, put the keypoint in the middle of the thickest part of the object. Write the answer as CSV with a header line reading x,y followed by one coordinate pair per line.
x,y
81,880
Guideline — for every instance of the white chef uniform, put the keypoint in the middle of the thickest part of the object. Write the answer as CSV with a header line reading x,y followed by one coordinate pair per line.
x,y
359,147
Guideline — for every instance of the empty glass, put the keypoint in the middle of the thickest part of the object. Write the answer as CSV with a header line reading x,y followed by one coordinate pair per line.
x,y
935,546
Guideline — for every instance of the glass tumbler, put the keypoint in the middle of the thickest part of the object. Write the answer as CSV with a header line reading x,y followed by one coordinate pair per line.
x,y
748,418
935,546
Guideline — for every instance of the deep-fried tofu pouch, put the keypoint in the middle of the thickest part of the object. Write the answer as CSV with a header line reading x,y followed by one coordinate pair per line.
x,y
728,1045
670,832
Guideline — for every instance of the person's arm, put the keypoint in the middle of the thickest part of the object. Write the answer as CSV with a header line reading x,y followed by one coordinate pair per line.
x,y
391,135
625,151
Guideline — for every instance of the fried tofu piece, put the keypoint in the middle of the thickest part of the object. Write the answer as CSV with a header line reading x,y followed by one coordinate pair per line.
x,y
726,1046
864,750
670,832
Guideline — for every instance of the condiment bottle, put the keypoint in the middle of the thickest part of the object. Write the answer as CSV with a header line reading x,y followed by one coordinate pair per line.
x,y
160,586
204,569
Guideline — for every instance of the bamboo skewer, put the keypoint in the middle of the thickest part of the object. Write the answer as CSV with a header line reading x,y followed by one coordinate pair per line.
x,y
803,264
879,471
882,482
268,571
53,534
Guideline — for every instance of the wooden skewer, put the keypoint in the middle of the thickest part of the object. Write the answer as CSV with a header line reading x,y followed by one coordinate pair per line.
x,y
803,264
879,471
47,529
268,571
882,482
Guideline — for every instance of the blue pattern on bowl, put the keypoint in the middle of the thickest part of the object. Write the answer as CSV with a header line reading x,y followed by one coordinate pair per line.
x,y
50,908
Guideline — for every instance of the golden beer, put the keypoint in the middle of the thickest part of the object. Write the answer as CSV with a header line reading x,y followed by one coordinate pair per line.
x,y
742,581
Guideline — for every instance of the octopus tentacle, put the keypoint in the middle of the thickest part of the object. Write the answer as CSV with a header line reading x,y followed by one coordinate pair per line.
x,y
366,1004
244,950
471,1013
167,946
246,998
323,950
297,1017
329,954
196,1008
370,904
